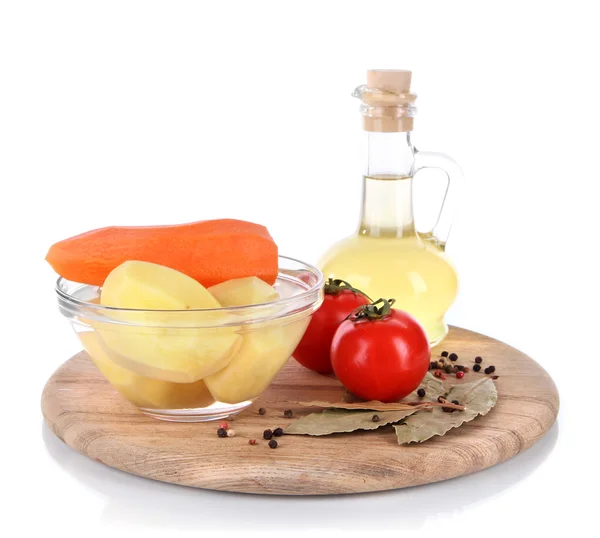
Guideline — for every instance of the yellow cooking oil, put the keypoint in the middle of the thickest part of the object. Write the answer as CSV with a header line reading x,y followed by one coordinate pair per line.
x,y
388,258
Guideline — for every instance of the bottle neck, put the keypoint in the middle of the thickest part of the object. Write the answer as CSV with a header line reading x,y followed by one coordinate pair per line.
x,y
387,186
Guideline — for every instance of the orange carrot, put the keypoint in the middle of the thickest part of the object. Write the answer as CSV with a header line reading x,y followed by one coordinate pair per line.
x,y
211,251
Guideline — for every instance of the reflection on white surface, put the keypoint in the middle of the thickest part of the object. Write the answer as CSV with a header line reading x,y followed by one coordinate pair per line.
x,y
132,500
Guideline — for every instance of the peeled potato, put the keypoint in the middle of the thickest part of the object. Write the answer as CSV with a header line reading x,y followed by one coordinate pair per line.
x,y
149,286
166,395
143,391
262,354
243,291
173,349
176,355
116,374
263,351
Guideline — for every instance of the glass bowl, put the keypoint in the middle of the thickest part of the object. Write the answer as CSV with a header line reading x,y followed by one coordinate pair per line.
x,y
194,365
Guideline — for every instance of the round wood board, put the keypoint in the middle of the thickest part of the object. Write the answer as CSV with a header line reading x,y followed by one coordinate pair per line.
x,y
85,412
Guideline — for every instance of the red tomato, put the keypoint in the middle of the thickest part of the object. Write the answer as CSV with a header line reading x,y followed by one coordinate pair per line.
x,y
339,302
381,359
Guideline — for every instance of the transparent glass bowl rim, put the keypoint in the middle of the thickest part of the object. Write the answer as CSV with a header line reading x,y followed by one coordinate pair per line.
x,y
308,300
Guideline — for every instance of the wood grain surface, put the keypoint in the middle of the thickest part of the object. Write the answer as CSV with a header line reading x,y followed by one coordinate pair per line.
x,y
85,412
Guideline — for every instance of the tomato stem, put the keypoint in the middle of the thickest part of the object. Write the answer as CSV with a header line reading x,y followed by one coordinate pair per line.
x,y
337,286
372,312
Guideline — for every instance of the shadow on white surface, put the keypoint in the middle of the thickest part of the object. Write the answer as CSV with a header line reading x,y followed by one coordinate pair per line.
x,y
131,500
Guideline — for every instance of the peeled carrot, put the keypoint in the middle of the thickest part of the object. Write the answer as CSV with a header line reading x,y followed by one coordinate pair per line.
x,y
211,251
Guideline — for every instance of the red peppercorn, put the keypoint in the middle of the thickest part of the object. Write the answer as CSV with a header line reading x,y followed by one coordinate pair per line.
x,y
460,375
224,425
252,442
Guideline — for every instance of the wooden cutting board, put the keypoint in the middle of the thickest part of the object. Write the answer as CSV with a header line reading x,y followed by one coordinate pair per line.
x,y
85,412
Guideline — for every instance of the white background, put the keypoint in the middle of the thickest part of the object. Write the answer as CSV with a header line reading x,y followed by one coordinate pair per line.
x,y
124,112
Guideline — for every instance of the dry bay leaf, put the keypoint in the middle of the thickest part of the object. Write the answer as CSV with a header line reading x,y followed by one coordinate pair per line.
x,y
433,388
375,405
372,405
338,421
478,397
432,385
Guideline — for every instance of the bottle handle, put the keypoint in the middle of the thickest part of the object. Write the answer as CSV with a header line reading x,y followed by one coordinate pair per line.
x,y
438,235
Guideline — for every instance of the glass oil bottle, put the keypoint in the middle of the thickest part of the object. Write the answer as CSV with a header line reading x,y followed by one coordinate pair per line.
x,y
387,256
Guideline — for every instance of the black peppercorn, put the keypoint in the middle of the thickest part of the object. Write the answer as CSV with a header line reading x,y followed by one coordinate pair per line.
x,y
476,367
441,399
444,353
459,368
278,432
449,369
453,356
262,411
288,413
375,418
455,402
478,360
272,443
490,370
433,365
447,409
267,434
421,393
222,432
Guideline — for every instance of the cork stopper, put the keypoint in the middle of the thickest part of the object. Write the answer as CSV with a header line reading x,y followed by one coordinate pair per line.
x,y
388,101
391,80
